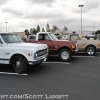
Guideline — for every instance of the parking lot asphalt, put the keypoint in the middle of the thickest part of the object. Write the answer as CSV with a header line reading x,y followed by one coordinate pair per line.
x,y
78,78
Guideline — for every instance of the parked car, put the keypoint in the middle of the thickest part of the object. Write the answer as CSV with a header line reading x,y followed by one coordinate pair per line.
x,y
91,37
31,37
64,37
59,37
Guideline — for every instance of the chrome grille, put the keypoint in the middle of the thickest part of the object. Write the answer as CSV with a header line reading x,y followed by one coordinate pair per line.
x,y
42,52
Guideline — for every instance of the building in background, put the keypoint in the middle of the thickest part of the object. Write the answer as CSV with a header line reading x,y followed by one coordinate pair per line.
x,y
21,35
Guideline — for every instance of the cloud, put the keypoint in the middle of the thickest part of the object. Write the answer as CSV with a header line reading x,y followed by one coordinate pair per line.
x,y
70,23
2,28
43,15
91,5
41,1
12,11
88,6
3,1
25,14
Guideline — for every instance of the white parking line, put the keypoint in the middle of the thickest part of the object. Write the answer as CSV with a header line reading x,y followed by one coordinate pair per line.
x,y
97,52
74,56
12,73
83,56
57,62
84,52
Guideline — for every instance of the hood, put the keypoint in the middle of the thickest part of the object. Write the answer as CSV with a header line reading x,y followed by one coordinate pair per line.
x,y
91,41
60,41
28,45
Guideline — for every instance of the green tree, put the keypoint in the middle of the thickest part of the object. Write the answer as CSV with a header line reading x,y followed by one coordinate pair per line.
x,y
54,28
38,28
65,28
97,32
34,31
43,30
31,31
47,27
26,32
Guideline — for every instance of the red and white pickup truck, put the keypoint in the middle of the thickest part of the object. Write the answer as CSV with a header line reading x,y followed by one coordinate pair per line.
x,y
64,49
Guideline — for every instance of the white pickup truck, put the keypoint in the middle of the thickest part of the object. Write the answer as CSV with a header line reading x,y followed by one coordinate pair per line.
x,y
19,54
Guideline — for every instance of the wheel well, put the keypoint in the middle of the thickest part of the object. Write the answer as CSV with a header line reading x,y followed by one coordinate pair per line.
x,y
63,48
90,45
12,57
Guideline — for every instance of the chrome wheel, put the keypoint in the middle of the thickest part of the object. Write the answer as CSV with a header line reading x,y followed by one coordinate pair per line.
x,y
64,55
90,50
18,64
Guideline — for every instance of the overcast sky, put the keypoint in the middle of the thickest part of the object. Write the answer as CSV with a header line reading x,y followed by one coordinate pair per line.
x,y
26,14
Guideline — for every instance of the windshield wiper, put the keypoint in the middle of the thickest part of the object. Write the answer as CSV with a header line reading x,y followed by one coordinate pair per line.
x,y
19,41
9,42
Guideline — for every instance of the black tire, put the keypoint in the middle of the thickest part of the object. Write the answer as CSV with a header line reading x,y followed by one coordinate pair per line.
x,y
67,56
90,50
19,64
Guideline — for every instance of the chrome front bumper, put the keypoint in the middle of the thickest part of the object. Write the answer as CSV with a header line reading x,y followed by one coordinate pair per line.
x,y
38,60
76,48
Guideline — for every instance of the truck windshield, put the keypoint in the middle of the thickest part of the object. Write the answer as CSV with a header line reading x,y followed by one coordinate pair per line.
x,y
53,36
11,38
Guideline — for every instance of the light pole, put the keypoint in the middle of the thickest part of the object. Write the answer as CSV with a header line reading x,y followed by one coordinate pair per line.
x,y
6,26
81,17
94,28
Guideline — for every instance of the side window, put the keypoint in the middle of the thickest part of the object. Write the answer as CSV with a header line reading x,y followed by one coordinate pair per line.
x,y
73,37
41,37
44,37
47,37
32,37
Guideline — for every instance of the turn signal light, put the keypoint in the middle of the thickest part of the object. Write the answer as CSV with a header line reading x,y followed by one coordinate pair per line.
x,y
29,54
73,47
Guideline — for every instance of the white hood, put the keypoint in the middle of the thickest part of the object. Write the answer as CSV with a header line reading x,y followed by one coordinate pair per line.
x,y
28,45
